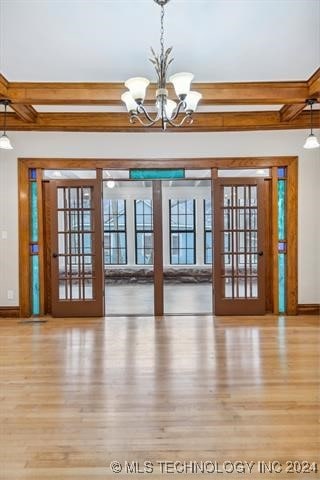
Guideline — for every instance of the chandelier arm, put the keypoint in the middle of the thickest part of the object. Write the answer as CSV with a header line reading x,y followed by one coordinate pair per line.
x,y
141,109
135,117
182,104
186,119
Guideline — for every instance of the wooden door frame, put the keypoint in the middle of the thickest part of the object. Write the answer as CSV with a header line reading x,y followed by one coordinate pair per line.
x,y
290,162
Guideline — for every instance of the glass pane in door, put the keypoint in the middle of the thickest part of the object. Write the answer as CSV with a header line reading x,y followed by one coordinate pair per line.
x,y
128,247
75,243
187,241
239,240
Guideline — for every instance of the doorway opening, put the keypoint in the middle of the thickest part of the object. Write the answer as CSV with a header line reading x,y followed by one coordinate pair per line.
x,y
200,244
128,246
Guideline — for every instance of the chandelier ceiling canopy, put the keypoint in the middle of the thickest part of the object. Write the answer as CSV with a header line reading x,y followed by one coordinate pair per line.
x,y
167,110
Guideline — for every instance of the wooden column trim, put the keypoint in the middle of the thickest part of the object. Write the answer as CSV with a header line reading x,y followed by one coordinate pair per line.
x,y
292,237
214,176
24,235
99,182
157,247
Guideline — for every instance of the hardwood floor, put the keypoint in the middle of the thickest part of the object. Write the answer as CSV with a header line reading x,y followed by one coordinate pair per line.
x,y
77,394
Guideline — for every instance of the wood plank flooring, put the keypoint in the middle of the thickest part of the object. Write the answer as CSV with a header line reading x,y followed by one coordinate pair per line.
x,y
77,394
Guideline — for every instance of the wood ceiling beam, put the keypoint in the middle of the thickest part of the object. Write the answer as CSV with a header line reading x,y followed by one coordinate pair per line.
x,y
314,85
4,84
25,112
290,112
259,93
119,122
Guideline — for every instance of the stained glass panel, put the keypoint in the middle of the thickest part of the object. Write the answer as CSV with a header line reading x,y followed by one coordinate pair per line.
x,y
282,172
34,211
282,282
281,209
33,173
35,289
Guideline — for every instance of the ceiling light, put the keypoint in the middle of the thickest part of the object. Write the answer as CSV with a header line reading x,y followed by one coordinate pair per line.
x,y
167,111
111,183
311,140
4,139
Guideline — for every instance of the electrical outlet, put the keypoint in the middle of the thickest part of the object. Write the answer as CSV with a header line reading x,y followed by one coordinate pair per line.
x,y
10,295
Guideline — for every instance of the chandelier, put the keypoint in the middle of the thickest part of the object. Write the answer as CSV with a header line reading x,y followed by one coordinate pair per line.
x,y
167,111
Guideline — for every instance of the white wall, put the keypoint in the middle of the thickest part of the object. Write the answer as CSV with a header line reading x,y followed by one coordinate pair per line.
x,y
117,145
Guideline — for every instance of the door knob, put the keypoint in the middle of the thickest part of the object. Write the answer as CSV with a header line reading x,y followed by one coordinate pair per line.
x,y
260,254
55,255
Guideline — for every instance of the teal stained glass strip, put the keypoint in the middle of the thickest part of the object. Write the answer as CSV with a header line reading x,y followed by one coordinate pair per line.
x,y
156,174
282,209
34,211
35,290
282,282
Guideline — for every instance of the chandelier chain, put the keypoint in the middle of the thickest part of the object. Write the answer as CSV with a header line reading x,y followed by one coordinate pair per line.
x,y
162,32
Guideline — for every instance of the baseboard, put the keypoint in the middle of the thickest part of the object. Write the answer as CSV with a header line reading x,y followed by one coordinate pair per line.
x,y
9,312
309,309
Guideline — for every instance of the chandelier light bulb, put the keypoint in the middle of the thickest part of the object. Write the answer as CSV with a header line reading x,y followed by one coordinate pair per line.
x,y
181,82
137,87
5,142
192,100
130,102
311,142
170,108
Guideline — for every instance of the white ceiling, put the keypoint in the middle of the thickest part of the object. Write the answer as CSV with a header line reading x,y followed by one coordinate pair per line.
x,y
109,40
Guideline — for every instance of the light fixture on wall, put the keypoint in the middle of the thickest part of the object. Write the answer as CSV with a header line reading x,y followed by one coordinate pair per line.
x,y
167,110
311,140
4,139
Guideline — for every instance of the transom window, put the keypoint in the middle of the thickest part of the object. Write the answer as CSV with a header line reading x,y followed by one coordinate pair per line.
x,y
115,232
182,232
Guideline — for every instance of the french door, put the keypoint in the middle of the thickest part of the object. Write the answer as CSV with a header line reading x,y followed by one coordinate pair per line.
x,y
76,248
76,254
239,260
